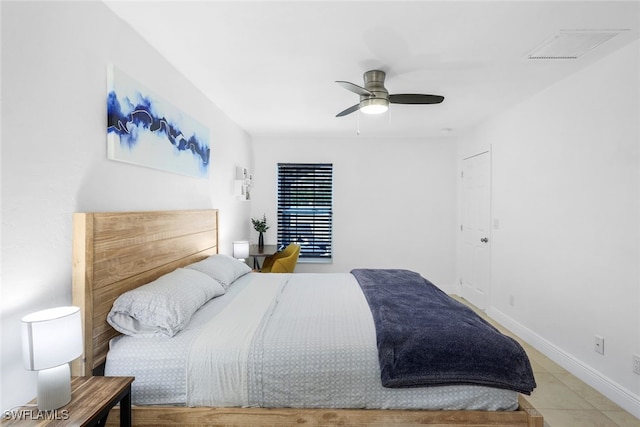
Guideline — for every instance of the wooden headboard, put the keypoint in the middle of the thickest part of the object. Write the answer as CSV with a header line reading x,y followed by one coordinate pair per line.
x,y
114,252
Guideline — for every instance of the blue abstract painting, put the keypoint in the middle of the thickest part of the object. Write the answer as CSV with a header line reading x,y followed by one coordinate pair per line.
x,y
145,130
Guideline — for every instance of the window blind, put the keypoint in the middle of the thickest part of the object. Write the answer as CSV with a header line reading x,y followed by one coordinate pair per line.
x,y
305,199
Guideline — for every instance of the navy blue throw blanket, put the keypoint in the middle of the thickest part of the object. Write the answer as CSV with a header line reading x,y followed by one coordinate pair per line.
x,y
426,338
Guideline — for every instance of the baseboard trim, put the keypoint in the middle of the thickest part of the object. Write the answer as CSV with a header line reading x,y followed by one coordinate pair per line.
x,y
450,289
622,396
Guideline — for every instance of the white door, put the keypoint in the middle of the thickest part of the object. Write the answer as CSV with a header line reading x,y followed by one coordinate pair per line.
x,y
475,227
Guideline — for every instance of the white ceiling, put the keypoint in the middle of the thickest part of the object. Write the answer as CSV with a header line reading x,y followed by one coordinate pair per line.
x,y
271,66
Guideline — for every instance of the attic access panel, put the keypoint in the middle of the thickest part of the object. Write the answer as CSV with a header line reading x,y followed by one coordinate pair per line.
x,y
572,44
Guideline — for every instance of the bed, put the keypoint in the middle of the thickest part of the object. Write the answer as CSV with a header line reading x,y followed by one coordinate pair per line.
x,y
115,253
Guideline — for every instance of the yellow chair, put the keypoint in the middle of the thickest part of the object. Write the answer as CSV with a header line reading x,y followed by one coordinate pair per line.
x,y
282,262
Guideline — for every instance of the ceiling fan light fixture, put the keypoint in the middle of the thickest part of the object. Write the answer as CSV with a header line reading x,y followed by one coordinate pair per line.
x,y
374,105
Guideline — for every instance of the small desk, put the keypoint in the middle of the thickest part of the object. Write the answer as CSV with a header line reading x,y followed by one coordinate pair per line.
x,y
91,400
255,252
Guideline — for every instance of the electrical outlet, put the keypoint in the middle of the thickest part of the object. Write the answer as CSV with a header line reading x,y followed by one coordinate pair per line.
x,y
598,344
636,364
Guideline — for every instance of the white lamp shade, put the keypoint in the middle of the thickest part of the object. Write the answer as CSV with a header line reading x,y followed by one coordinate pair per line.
x,y
241,249
51,337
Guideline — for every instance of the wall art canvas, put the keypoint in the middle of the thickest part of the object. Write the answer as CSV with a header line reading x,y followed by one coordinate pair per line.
x,y
144,129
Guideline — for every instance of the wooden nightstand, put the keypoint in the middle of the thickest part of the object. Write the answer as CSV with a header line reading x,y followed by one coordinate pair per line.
x,y
91,400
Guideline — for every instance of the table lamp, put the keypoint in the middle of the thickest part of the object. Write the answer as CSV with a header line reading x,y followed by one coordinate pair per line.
x,y
50,340
241,249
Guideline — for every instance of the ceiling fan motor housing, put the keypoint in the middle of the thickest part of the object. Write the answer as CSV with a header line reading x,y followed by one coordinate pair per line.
x,y
379,102
374,82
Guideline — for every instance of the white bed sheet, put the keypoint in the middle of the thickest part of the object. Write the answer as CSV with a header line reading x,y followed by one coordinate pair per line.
x,y
286,365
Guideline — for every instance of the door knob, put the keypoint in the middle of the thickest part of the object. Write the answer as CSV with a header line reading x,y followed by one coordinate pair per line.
x,y
484,240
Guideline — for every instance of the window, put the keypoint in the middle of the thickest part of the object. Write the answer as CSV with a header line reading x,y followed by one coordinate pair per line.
x,y
305,199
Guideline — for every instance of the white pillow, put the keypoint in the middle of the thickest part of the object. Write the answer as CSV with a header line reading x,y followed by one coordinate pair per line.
x,y
164,306
223,268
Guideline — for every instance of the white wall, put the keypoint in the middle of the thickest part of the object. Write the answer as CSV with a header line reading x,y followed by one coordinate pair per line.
x,y
394,201
566,186
54,58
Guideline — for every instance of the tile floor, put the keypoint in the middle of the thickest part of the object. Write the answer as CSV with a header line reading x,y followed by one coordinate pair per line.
x,y
563,399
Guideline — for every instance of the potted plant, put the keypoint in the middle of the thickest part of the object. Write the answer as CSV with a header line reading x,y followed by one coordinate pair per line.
x,y
260,225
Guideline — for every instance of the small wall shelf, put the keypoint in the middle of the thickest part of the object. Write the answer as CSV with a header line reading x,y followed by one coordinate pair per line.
x,y
242,184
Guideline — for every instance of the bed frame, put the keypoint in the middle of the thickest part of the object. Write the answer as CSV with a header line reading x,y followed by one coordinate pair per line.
x,y
114,252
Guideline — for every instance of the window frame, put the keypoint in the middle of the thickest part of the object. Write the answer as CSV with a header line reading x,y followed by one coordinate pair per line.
x,y
305,198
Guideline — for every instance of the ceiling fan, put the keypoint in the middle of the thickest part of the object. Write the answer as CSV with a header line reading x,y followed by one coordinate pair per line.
x,y
375,99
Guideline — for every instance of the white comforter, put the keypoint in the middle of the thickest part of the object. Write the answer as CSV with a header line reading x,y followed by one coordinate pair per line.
x,y
281,340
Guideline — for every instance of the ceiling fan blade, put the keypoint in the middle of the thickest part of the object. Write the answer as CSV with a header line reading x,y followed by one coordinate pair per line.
x,y
349,110
355,88
410,98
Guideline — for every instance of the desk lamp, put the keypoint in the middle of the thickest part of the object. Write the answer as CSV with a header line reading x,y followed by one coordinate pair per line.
x,y
50,340
241,249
